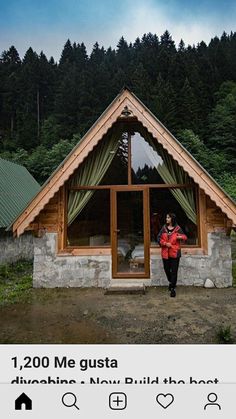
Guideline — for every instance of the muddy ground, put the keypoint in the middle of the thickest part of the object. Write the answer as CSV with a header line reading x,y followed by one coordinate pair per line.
x,y
89,316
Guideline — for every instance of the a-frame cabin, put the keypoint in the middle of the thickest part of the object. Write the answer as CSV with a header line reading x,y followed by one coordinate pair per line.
x,y
98,215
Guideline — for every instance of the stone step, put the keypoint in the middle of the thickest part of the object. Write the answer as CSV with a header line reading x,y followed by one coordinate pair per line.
x,y
125,287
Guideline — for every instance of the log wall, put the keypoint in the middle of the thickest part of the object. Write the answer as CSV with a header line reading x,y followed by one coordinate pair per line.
x,y
216,219
47,220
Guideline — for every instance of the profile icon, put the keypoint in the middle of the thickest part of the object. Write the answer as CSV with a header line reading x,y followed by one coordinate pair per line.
x,y
212,399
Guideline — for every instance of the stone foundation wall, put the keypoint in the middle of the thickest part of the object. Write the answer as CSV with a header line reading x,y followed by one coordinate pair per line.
x,y
195,270
51,270
13,249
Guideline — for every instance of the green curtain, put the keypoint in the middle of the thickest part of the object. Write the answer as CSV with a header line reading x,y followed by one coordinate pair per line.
x,y
91,173
97,163
171,172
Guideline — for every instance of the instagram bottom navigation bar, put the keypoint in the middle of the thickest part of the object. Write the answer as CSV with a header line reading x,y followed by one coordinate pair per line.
x,y
107,401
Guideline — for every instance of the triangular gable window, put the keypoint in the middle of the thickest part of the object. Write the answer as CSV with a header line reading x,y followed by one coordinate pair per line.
x,y
127,155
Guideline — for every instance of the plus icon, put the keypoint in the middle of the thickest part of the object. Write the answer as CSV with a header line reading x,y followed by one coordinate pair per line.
x,y
117,401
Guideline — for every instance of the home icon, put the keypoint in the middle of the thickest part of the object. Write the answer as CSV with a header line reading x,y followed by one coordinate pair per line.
x,y
23,399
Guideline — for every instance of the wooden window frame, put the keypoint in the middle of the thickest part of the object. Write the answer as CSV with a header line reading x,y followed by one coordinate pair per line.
x,y
92,250
146,229
197,199
107,250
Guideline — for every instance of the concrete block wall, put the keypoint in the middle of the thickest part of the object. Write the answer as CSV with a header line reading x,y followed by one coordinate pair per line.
x,y
13,249
52,270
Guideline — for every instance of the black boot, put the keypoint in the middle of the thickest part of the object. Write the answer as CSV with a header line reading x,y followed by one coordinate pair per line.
x,y
172,292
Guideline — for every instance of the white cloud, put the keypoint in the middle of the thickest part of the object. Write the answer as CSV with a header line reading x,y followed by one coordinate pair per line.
x,y
137,17
147,17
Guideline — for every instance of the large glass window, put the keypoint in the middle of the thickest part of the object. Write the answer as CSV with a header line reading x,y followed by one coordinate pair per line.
x,y
144,161
129,155
91,227
130,232
117,173
126,155
163,201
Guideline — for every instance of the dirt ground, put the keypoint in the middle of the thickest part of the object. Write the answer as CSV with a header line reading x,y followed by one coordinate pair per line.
x,y
89,316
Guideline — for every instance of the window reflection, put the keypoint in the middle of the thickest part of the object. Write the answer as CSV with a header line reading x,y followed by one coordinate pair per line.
x,y
144,160
117,174
92,226
163,201
130,232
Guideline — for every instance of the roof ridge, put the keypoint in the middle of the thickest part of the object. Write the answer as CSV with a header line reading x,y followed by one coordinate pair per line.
x,y
14,163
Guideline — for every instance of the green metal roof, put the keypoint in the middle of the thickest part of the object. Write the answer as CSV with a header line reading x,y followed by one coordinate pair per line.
x,y
17,188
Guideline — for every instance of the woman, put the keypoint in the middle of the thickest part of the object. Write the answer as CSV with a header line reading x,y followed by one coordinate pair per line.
x,y
169,239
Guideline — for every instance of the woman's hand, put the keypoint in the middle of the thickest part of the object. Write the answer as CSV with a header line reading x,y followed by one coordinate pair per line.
x,y
179,237
168,244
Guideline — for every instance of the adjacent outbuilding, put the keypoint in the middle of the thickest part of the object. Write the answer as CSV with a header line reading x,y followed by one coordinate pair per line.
x,y
17,188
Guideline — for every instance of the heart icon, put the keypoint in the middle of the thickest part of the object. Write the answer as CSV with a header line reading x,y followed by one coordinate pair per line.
x,y
165,400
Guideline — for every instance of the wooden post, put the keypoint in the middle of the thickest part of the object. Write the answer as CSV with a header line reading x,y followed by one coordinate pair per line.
x,y
129,160
203,220
61,221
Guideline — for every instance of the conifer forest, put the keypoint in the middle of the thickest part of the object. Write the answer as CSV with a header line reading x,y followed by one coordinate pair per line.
x,y
46,107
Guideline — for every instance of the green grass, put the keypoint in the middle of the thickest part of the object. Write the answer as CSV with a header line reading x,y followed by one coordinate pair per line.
x,y
15,282
234,274
224,335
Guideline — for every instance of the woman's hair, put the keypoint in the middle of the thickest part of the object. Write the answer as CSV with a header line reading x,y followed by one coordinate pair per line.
x,y
173,218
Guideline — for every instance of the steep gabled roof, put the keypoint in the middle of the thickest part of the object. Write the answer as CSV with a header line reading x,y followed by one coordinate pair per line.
x,y
17,188
114,111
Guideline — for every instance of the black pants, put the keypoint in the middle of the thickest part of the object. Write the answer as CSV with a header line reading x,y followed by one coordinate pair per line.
x,y
171,269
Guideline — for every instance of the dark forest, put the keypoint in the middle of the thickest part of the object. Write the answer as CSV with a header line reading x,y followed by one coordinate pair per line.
x,y
46,107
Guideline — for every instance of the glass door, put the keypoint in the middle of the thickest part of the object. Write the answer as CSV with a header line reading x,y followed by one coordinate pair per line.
x,y
130,227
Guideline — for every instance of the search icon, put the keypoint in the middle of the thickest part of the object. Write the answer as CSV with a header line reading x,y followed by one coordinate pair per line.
x,y
69,400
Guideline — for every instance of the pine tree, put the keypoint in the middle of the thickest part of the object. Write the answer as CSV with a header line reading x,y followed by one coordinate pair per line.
x,y
181,47
11,57
66,103
10,64
187,110
141,84
222,124
67,55
163,103
167,42
27,111
123,58
147,54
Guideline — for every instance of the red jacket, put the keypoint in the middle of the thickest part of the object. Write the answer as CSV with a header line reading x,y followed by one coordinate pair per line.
x,y
165,237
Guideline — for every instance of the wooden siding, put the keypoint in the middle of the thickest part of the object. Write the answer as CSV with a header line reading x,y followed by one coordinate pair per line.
x,y
215,218
47,220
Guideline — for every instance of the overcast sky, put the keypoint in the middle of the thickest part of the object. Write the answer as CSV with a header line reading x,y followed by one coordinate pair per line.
x,y
46,25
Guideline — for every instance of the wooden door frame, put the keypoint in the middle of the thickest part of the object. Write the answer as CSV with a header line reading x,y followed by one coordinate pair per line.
x,y
146,232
